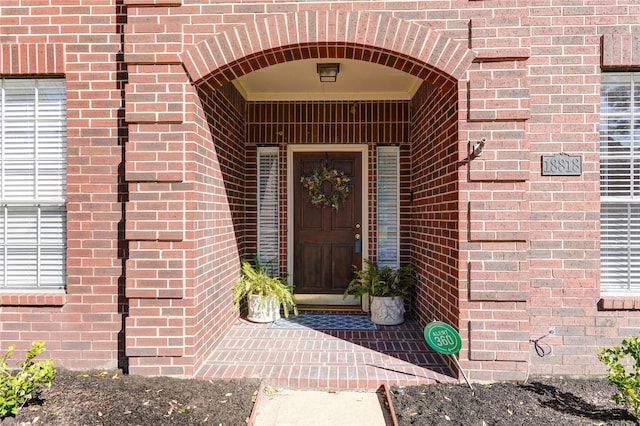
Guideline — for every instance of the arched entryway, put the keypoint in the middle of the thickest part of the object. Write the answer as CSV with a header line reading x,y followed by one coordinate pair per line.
x,y
225,138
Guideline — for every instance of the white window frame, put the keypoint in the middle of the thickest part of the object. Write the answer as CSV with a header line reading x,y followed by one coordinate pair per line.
x,y
388,206
620,186
32,184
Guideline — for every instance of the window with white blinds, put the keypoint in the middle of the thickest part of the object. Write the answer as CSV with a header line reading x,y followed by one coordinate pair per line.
x,y
620,184
268,206
32,183
388,185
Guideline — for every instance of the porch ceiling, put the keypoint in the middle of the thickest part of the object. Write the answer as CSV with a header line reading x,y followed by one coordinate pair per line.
x,y
298,80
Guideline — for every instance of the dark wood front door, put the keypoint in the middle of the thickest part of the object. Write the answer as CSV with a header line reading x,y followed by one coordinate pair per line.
x,y
325,244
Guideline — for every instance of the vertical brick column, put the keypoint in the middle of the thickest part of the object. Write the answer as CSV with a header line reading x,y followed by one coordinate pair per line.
x,y
185,168
494,200
157,283
564,247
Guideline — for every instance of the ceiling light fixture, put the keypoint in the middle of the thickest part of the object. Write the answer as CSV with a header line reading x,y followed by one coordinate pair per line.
x,y
328,72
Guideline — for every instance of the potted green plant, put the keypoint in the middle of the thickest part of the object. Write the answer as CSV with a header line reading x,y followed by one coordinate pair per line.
x,y
387,288
265,293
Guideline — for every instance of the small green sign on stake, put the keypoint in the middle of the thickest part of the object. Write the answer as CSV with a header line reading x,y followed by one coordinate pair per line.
x,y
444,339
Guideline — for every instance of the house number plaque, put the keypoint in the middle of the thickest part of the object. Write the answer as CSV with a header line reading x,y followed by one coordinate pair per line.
x,y
561,165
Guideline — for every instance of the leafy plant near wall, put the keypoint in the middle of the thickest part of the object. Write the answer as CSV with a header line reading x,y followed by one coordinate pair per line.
x,y
260,280
623,363
18,386
382,281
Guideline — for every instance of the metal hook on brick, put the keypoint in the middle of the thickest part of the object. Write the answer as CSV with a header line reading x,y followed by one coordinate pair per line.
x,y
478,147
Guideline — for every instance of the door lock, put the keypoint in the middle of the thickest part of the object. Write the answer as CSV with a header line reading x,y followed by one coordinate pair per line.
x,y
357,226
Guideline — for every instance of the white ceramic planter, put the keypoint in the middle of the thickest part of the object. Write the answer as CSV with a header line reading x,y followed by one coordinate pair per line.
x,y
263,309
387,310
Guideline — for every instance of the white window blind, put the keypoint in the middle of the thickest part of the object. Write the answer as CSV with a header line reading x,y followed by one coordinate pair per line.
x,y
620,184
32,183
388,206
268,206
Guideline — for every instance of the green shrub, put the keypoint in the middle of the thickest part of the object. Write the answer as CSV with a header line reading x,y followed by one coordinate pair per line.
x,y
17,386
624,373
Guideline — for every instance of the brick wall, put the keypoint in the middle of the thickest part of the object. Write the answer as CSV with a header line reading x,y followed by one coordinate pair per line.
x,y
155,153
434,210
186,227
219,219
494,204
82,328
564,272
331,122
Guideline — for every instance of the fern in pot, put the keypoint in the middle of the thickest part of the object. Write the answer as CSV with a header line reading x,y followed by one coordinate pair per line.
x,y
265,293
387,288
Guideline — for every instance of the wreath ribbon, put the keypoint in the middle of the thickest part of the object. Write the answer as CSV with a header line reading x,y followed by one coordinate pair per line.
x,y
339,187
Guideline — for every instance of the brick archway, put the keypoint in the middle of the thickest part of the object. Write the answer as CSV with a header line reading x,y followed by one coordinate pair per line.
x,y
177,164
407,46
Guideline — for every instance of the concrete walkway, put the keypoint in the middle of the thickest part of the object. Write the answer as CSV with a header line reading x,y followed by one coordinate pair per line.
x,y
320,408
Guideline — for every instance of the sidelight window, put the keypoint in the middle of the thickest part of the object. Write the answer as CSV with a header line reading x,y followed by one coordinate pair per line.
x,y
268,219
388,209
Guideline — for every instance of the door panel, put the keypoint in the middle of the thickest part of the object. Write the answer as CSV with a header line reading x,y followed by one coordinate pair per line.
x,y
324,246
342,271
311,275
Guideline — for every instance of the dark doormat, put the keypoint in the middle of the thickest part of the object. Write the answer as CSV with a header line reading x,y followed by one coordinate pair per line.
x,y
325,322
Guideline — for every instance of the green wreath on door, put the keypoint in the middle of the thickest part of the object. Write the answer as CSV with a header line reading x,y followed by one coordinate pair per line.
x,y
313,184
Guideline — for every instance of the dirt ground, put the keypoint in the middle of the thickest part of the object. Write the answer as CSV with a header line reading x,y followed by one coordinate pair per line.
x,y
109,398
538,402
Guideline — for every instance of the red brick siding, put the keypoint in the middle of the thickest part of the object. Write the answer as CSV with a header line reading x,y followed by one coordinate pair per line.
x,y
182,267
220,227
498,90
434,210
32,58
209,63
369,122
564,226
495,220
81,329
158,291
620,50
278,38
522,255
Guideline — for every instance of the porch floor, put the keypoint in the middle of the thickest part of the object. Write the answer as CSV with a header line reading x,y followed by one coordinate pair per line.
x,y
327,359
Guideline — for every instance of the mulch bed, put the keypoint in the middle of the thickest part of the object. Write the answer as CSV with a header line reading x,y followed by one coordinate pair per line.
x,y
541,401
109,398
